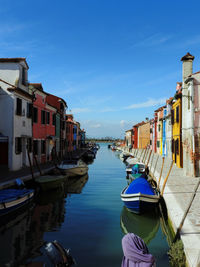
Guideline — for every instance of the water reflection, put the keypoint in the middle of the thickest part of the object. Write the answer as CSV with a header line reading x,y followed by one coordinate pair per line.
x,y
76,184
146,225
22,237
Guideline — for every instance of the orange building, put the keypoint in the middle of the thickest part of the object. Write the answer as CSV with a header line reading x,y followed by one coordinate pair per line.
x,y
144,135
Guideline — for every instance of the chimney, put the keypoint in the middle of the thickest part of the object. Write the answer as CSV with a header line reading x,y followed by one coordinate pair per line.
x,y
187,66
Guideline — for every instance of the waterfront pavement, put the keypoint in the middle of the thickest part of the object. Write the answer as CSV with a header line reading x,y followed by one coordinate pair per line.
x,y
7,178
178,193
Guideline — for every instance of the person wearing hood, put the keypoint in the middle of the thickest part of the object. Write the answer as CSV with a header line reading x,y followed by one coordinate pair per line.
x,y
136,253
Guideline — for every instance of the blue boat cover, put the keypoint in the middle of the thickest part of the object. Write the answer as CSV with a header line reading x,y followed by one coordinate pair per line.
x,y
11,194
140,185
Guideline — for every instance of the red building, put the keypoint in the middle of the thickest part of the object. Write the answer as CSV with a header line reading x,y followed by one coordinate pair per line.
x,y
155,134
43,124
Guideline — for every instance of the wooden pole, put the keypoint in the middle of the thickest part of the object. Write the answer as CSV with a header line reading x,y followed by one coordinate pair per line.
x,y
155,166
149,157
166,178
144,154
151,162
37,164
31,167
141,154
163,160
186,212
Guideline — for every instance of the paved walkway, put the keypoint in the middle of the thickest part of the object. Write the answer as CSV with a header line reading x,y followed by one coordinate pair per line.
x,y
7,178
178,193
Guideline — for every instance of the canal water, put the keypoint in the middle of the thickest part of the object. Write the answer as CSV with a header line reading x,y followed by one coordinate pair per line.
x,y
86,216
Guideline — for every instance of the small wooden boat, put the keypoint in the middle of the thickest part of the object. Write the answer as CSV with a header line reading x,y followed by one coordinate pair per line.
x,y
12,199
73,168
58,255
48,182
138,167
139,196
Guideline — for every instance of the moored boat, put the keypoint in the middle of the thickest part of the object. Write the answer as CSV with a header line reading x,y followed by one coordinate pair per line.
x,y
73,168
12,199
139,196
48,182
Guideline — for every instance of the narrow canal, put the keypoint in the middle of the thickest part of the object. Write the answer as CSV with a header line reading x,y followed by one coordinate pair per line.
x,y
87,216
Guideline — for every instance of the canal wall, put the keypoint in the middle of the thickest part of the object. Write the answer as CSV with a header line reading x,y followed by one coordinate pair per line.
x,y
177,193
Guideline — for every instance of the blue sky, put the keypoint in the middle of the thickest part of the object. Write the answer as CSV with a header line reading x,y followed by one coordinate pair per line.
x,y
114,62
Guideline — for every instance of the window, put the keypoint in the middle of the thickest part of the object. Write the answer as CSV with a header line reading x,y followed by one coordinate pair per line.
x,y
43,117
172,145
63,125
150,142
35,147
172,114
177,146
158,143
18,145
29,144
151,130
177,114
159,127
19,107
35,115
48,117
43,146
23,76
29,110
54,119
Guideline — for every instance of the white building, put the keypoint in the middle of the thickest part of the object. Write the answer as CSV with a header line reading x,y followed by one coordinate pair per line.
x,y
16,110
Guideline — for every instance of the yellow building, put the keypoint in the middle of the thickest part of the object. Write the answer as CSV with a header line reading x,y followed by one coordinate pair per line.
x,y
176,120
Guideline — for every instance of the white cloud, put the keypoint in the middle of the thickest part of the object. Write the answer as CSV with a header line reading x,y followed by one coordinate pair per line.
x,y
149,103
153,40
98,125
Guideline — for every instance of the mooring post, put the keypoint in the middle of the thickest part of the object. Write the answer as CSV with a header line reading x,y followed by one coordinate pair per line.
x,y
166,178
163,160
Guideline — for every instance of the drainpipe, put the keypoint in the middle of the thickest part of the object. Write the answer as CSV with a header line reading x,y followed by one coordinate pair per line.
x,y
191,87
192,123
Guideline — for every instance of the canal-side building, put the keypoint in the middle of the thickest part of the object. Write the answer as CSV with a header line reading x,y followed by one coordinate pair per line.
x,y
135,136
164,146
128,138
193,124
74,136
82,133
154,140
144,134
190,116
43,124
61,106
176,120
159,130
168,128
151,134
16,108
69,132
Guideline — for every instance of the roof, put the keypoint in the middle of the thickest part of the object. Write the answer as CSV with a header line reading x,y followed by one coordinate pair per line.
x,y
20,91
188,56
15,60
37,86
55,100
